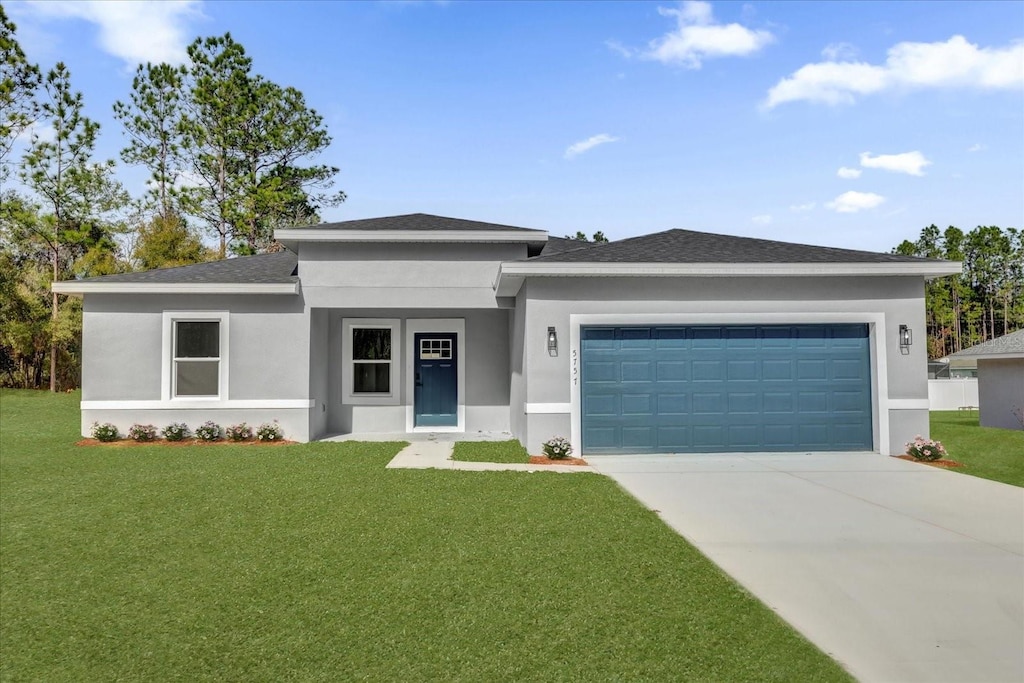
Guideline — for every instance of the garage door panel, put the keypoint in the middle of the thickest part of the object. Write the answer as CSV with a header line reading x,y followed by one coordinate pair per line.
x,y
720,388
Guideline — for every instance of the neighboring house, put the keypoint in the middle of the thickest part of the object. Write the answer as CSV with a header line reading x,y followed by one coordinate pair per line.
x,y
1000,379
678,341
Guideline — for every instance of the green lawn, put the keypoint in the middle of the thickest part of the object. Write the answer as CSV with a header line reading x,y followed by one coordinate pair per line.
x,y
490,451
313,562
986,452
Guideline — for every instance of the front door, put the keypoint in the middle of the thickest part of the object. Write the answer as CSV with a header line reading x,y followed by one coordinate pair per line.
x,y
436,392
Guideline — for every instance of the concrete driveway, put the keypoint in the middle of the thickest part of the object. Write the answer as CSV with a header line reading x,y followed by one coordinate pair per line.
x,y
900,571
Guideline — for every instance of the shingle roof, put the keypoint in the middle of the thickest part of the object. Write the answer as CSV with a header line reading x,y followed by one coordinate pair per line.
x,y
1008,343
688,246
414,221
273,268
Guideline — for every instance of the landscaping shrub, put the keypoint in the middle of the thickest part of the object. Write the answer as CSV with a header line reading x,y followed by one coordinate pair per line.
x,y
209,431
926,449
176,431
139,432
557,448
269,432
105,432
239,432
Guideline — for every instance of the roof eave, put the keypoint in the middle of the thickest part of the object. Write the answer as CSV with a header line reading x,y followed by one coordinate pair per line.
x,y
512,274
82,287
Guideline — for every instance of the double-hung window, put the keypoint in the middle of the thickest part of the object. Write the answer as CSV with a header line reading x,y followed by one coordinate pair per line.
x,y
195,355
196,358
371,354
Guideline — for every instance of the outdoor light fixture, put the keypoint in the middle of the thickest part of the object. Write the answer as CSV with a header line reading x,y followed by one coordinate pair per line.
x,y
906,339
552,340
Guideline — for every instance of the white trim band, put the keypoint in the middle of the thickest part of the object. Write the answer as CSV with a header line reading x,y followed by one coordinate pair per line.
x,y
237,404
547,408
82,287
907,404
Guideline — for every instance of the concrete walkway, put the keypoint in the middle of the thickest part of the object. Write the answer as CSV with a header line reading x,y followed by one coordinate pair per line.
x,y
421,455
900,571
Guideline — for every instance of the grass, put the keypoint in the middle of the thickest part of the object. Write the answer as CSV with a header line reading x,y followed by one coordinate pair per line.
x,y
986,452
490,451
313,562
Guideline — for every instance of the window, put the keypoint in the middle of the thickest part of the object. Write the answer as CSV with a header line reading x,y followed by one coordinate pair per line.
x,y
196,358
371,360
195,353
371,352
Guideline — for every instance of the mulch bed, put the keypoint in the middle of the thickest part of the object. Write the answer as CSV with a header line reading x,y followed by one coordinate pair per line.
x,y
544,460
935,463
185,442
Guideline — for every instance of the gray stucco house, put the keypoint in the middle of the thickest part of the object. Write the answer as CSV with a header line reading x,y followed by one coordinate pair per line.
x,y
1000,379
678,341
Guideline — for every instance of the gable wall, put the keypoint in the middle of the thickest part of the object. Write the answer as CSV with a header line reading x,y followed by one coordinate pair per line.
x,y
553,302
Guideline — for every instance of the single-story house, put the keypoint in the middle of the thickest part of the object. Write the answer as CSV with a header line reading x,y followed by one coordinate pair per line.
x,y
677,341
1000,379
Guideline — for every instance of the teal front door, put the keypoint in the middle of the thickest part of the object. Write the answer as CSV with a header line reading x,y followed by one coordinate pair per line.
x,y
436,391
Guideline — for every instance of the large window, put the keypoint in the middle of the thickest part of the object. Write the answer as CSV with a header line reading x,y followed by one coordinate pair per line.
x,y
371,352
196,357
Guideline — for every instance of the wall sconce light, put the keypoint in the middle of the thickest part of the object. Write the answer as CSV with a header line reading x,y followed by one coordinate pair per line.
x,y
552,340
906,338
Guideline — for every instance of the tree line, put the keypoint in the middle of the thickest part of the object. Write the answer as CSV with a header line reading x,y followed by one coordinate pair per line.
x,y
985,301
229,155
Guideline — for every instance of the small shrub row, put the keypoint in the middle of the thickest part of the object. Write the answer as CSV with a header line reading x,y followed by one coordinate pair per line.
x,y
179,431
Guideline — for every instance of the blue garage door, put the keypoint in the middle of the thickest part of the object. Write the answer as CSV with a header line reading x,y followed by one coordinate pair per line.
x,y
706,389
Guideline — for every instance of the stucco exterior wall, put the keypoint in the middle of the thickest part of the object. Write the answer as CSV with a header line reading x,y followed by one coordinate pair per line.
x,y
267,361
1000,390
487,382
900,390
402,275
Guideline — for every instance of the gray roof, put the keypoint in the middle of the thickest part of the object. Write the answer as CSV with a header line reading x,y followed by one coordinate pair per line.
x,y
414,221
688,246
273,268
1012,343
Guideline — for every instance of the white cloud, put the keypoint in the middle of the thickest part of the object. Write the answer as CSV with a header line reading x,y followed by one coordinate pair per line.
x,y
848,173
976,147
616,46
582,146
138,31
698,37
43,131
911,163
954,63
801,208
852,202
839,52
763,219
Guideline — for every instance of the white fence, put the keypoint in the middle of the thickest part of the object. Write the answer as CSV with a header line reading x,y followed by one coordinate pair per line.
x,y
952,394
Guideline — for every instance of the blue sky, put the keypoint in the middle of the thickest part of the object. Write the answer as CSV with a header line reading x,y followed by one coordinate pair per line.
x,y
845,124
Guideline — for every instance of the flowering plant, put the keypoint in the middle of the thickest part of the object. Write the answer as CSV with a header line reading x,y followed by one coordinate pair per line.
x,y
269,432
241,432
176,431
105,432
926,449
208,431
557,448
139,432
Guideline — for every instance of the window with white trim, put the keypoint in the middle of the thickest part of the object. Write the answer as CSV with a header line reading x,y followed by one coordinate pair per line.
x,y
371,355
195,355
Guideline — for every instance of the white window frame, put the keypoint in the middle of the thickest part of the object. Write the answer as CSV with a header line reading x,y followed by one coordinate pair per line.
x,y
348,394
167,389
